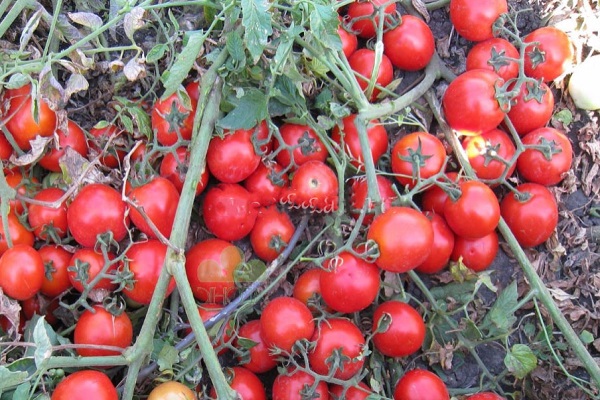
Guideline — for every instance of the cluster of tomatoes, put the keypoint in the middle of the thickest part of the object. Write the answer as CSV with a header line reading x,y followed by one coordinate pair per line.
x,y
256,180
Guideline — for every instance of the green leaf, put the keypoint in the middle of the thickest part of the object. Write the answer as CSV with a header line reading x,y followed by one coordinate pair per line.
x,y
520,361
183,63
564,116
323,24
461,292
256,19
22,391
10,379
284,48
156,53
16,81
43,346
245,343
235,47
586,337
141,119
501,317
248,111
127,122
167,356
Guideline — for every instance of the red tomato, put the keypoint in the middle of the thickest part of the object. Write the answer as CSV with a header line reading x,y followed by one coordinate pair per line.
x,y
532,107
473,19
271,233
172,390
443,243
233,158
247,385
97,209
17,232
475,213
409,45
359,194
359,392
47,221
229,211
21,272
482,150
347,136
102,328
485,396
145,261
349,40
259,359
284,321
20,120
342,336
417,155
470,104
90,262
414,241
314,186
546,167
24,186
308,285
486,55
193,90
434,198
113,157
419,384
74,138
406,330
531,220
79,385
176,170
292,385
267,183
6,149
42,306
364,18
551,56
300,145
172,121
207,311
477,254
56,278
339,283
159,199
362,62
210,266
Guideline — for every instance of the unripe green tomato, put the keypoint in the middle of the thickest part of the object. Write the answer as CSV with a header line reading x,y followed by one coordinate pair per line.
x,y
584,84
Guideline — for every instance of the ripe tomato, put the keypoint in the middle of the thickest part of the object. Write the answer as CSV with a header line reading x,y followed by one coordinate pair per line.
x,y
482,149
300,145
414,241
210,266
362,62
470,103
349,40
473,19
410,45
337,335
443,243
47,221
81,384
247,385
363,16
233,158
477,254
113,157
284,321
315,186
551,56
405,333
532,107
419,384
486,55
56,278
172,121
308,285
546,168
21,272
417,155
92,262
271,233
434,198
475,213
485,396
267,183
293,385
6,149
339,283
19,119
533,220
229,211
172,390
145,261
19,234
159,199
175,169
258,359
346,136
358,392
42,306
24,186
102,328
95,210
74,138
359,194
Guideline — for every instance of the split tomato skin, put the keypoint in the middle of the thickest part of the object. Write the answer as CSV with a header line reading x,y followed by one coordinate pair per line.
x,y
473,19
410,45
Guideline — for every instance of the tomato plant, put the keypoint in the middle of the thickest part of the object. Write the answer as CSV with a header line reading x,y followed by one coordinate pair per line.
x,y
172,390
410,45
548,164
473,19
100,327
495,54
173,119
363,16
296,385
229,211
359,195
271,233
158,199
266,183
80,384
417,155
418,384
362,62
346,136
300,144
315,186
475,213
56,277
86,264
404,331
21,272
550,54
284,321
258,358
532,108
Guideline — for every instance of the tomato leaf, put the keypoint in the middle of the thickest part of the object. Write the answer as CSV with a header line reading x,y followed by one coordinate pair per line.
x,y
10,378
256,19
248,111
156,53
43,346
167,356
501,317
520,360
323,24
174,76
22,391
